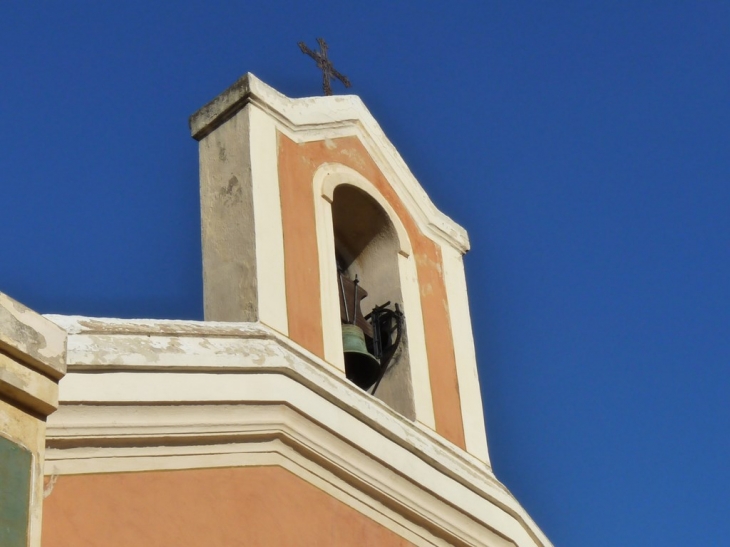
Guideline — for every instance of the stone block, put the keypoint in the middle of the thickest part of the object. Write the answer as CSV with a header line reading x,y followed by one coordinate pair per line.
x,y
31,338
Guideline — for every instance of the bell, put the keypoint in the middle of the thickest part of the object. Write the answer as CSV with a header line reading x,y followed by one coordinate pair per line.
x,y
361,368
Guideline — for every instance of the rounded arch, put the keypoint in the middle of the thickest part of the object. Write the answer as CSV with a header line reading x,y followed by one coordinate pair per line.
x,y
331,175
410,375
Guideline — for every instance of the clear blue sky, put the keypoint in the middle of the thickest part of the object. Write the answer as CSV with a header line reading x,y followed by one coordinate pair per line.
x,y
584,146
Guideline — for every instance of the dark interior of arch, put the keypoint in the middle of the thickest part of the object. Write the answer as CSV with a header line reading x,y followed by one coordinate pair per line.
x,y
358,221
366,245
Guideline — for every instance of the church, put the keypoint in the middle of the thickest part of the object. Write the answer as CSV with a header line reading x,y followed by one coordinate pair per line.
x,y
330,396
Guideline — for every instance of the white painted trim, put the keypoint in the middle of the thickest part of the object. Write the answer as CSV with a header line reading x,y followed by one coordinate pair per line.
x,y
269,230
472,410
329,298
143,438
327,177
330,175
27,387
115,362
316,118
420,376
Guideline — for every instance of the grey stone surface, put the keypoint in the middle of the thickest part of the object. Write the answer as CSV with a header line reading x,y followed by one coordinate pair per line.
x,y
31,338
223,107
227,222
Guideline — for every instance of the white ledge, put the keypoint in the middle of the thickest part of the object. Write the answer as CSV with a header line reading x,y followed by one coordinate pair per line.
x,y
114,362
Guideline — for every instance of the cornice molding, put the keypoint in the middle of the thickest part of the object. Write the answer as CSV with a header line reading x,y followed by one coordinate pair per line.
x,y
32,339
32,358
135,439
114,362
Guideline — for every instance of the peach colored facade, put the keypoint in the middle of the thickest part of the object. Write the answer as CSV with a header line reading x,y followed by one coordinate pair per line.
x,y
263,506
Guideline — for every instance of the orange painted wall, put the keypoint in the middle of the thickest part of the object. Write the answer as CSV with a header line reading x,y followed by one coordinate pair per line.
x,y
227,507
297,165
301,268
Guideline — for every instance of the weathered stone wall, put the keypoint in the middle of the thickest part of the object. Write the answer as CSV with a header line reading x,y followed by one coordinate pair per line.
x,y
32,361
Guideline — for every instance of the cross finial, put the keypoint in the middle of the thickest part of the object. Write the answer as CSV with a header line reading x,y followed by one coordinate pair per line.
x,y
325,65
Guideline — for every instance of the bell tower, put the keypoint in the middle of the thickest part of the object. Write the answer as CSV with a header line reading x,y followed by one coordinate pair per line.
x,y
331,395
300,199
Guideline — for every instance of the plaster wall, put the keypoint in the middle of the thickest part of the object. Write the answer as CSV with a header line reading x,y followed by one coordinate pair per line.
x,y
203,507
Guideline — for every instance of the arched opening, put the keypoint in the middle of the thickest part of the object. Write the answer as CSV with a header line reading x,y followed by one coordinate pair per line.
x,y
366,248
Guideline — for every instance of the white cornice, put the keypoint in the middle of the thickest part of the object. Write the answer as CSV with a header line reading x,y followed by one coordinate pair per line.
x,y
97,439
330,117
32,339
32,358
113,362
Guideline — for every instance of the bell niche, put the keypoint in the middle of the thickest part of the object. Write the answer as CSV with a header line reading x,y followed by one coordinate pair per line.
x,y
373,321
314,227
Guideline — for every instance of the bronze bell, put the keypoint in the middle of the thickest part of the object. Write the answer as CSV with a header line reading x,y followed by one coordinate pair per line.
x,y
361,368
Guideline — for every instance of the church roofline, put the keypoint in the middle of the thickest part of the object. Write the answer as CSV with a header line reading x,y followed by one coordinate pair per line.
x,y
186,356
322,113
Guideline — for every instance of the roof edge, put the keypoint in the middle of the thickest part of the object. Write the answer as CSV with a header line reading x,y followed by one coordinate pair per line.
x,y
322,112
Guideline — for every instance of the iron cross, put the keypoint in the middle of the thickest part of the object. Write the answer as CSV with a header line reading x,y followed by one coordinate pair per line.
x,y
325,65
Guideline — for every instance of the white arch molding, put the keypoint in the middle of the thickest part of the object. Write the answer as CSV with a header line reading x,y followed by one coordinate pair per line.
x,y
326,179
